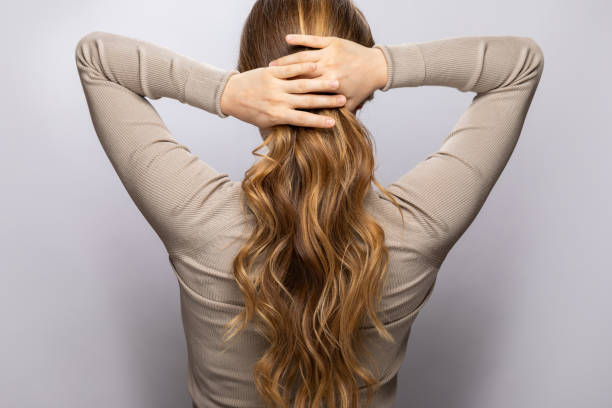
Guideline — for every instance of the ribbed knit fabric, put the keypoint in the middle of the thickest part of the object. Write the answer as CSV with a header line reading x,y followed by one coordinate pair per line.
x,y
195,209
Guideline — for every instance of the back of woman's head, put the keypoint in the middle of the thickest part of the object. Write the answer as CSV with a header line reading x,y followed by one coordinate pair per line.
x,y
312,271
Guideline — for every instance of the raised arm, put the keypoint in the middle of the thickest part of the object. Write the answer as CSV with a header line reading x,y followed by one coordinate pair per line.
x,y
171,186
444,193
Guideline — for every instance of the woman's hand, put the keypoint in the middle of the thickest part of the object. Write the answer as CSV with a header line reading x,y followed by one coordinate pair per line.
x,y
360,70
268,96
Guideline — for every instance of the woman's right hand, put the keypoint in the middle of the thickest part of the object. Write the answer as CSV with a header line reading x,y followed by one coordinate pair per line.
x,y
360,70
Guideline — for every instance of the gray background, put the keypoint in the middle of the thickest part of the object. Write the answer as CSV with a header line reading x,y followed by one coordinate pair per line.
x,y
520,316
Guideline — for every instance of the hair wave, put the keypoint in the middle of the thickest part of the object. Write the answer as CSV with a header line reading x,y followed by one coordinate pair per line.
x,y
313,269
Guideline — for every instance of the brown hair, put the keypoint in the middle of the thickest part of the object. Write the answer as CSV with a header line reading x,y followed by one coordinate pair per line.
x,y
323,257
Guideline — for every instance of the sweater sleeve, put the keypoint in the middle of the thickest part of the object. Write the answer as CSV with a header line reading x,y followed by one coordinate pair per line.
x,y
443,193
172,187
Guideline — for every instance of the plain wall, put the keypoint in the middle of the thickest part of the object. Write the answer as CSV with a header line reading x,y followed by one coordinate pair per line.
x,y
520,316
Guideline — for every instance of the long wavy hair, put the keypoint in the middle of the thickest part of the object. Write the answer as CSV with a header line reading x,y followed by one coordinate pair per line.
x,y
313,269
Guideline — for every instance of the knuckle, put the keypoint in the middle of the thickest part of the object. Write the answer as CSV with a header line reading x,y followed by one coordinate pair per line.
x,y
282,101
289,71
302,117
309,101
267,98
268,80
269,115
261,119
274,115
301,86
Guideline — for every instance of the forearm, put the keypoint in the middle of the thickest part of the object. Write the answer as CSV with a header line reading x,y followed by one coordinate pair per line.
x,y
172,187
151,70
477,63
444,192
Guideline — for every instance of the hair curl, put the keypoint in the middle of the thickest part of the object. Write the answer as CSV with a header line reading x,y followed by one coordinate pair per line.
x,y
313,269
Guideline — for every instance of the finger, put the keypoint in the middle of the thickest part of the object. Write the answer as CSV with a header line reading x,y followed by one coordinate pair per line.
x,y
312,101
310,85
302,56
302,118
288,71
314,41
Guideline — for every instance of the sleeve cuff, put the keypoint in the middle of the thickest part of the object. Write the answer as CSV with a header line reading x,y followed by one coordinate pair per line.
x,y
205,86
220,90
405,65
385,51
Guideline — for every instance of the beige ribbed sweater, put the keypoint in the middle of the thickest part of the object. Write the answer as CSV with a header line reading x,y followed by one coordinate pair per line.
x,y
195,209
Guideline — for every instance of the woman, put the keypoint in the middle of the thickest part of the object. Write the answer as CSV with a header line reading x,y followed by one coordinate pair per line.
x,y
320,275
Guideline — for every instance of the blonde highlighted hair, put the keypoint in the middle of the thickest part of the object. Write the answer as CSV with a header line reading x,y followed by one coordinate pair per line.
x,y
313,269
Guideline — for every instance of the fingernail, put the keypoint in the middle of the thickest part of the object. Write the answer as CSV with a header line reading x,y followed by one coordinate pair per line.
x,y
340,99
330,122
272,63
334,83
291,37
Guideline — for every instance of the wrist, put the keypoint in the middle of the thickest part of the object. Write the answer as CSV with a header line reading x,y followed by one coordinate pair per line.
x,y
380,68
226,100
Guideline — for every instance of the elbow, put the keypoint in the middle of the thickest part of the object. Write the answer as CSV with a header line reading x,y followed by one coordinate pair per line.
x,y
85,52
528,61
82,51
533,58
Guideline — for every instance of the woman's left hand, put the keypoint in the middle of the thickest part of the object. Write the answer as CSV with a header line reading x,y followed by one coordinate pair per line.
x,y
270,96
